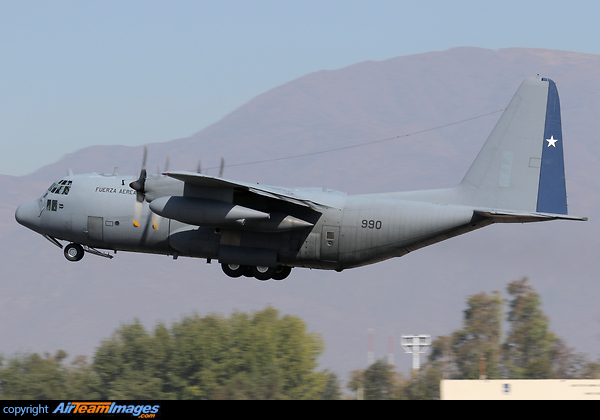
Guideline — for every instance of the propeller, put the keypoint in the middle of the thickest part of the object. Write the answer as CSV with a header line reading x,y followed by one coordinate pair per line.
x,y
156,219
139,185
221,167
167,163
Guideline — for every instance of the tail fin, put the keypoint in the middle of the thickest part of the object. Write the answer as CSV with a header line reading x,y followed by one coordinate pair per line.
x,y
521,165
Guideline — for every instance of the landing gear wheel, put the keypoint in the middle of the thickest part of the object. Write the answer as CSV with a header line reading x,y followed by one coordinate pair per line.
x,y
281,272
233,270
263,273
74,252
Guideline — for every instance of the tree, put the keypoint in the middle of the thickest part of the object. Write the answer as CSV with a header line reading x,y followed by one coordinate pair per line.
x,y
377,382
31,376
474,350
258,356
125,364
589,370
81,381
477,346
531,350
442,358
333,389
425,384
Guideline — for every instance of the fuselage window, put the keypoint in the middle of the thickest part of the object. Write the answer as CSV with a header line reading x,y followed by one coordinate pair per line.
x,y
61,187
52,205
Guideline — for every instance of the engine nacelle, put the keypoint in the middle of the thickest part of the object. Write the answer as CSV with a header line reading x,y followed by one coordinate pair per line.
x,y
203,211
208,212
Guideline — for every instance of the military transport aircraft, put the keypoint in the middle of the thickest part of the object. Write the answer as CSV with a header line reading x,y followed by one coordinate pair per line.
x,y
263,232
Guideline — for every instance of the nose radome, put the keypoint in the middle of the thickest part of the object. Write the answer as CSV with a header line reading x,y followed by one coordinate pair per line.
x,y
27,214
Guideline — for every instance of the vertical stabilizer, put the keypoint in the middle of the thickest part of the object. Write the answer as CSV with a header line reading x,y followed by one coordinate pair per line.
x,y
521,165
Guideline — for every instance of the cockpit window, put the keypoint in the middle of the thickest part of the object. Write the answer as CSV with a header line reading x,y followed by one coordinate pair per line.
x,y
61,187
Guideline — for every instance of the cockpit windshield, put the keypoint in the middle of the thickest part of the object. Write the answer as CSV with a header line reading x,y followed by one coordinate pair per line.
x,y
61,187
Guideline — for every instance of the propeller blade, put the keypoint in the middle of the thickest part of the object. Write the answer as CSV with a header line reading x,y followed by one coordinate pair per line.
x,y
156,219
139,185
221,168
137,213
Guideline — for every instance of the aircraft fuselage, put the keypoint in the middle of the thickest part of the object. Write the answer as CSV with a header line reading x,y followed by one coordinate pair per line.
x,y
98,209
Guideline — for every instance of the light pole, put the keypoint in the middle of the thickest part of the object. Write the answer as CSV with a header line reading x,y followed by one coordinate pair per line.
x,y
417,345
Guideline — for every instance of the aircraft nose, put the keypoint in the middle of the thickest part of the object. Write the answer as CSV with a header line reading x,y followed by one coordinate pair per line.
x,y
28,214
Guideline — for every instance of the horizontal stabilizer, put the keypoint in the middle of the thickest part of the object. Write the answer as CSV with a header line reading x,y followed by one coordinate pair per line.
x,y
499,216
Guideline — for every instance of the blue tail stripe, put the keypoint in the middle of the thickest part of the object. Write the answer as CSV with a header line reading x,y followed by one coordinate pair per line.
x,y
552,191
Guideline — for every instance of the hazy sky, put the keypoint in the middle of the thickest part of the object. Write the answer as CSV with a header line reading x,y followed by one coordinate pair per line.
x,y
78,73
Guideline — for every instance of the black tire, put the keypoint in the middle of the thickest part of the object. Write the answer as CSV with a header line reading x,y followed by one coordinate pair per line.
x,y
281,272
263,273
233,270
74,252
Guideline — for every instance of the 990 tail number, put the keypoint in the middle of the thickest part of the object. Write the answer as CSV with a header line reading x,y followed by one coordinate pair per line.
x,y
371,224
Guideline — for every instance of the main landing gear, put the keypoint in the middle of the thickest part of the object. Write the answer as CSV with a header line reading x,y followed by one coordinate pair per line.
x,y
259,272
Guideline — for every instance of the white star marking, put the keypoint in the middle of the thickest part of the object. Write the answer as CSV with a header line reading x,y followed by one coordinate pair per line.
x,y
552,141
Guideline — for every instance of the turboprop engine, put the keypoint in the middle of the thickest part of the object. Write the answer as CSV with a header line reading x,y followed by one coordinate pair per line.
x,y
208,212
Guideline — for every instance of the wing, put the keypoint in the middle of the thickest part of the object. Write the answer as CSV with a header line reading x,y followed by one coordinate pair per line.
x,y
210,201
289,195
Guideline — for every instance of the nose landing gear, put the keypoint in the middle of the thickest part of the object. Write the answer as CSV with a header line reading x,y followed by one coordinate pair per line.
x,y
74,252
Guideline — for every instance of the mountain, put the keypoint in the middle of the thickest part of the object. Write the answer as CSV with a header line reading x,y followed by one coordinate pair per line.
x,y
405,123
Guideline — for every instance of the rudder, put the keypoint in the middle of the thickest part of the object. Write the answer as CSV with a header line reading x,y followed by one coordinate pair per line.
x,y
552,191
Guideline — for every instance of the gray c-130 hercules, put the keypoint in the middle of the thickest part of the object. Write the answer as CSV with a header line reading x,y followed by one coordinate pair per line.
x,y
263,231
